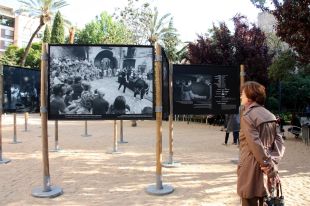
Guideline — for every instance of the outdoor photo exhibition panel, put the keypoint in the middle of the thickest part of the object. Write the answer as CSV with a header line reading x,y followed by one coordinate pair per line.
x,y
89,82
205,89
165,86
21,89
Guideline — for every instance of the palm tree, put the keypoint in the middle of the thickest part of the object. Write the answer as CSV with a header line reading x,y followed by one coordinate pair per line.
x,y
41,9
159,27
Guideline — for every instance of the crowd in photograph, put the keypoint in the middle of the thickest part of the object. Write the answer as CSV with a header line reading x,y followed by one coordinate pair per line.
x,y
71,92
21,98
183,89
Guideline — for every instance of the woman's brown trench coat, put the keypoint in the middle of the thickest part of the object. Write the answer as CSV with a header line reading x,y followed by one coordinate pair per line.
x,y
260,145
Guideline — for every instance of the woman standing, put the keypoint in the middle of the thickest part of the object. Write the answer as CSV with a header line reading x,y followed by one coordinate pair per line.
x,y
233,125
261,148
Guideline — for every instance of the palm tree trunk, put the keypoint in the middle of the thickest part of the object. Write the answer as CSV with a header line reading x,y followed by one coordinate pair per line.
x,y
23,60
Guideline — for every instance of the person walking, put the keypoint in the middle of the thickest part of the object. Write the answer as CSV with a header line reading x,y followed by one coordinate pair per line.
x,y
261,147
233,125
122,79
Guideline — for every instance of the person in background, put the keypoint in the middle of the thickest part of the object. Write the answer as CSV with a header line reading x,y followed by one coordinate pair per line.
x,y
295,125
261,147
233,125
281,122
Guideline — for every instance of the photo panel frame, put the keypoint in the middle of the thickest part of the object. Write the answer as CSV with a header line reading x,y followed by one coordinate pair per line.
x,y
21,89
94,82
205,89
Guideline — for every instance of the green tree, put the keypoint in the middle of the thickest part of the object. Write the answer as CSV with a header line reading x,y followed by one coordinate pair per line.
x,y
296,92
283,66
10,56
170,42
58,31
137,17
47,35
33,59
148,26
104,30
293,24
41,9
13,55
159,27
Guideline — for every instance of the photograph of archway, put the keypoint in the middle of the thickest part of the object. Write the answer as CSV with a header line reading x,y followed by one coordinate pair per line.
x,y
100,82
205,89
21,89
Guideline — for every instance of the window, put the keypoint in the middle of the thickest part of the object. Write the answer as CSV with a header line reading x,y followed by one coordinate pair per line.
x,y
6,21
8,33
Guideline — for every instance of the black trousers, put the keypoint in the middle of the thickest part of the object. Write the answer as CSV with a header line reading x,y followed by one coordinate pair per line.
x,y
236,137
255,201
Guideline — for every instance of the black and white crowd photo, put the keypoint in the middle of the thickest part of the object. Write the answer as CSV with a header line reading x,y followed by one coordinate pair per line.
x,y
21,89
100,82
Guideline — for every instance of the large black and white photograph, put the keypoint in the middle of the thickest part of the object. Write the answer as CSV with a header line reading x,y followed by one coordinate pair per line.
x,y
21,89
205,89
100,82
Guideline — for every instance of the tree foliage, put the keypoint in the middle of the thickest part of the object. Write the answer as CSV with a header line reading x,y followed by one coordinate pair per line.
x,y
283,66
159,27
43,10
246,46
47,35
104,30
297,92
13,55
148,26
251,50
137,17
10,56
293,24
58,30
170,43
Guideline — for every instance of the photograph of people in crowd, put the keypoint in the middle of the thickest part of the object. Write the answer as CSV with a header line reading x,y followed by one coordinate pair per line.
x,y
191,92
194,88
100,82
21,89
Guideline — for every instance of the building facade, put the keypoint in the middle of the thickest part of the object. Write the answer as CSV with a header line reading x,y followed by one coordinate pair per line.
x,y
16,29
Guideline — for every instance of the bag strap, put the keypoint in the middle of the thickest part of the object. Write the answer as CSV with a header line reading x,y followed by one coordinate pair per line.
x,y
279,189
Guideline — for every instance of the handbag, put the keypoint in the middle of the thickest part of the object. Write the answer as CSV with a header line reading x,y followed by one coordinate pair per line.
x,y
273,200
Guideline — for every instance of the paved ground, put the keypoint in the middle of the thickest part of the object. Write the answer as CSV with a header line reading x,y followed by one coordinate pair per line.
x,y
90,176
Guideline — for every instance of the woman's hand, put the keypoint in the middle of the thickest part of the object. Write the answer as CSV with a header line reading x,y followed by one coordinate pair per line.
x,y
267,169
271,170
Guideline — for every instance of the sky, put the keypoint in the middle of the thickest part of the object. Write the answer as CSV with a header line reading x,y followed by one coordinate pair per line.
x,y
191,17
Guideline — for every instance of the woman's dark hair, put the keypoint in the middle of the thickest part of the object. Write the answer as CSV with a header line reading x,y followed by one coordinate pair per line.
x,y
255,92
57,89
119,103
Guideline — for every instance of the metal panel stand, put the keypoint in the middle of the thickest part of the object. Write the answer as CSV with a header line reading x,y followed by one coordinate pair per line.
x,y
121,136
86,134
